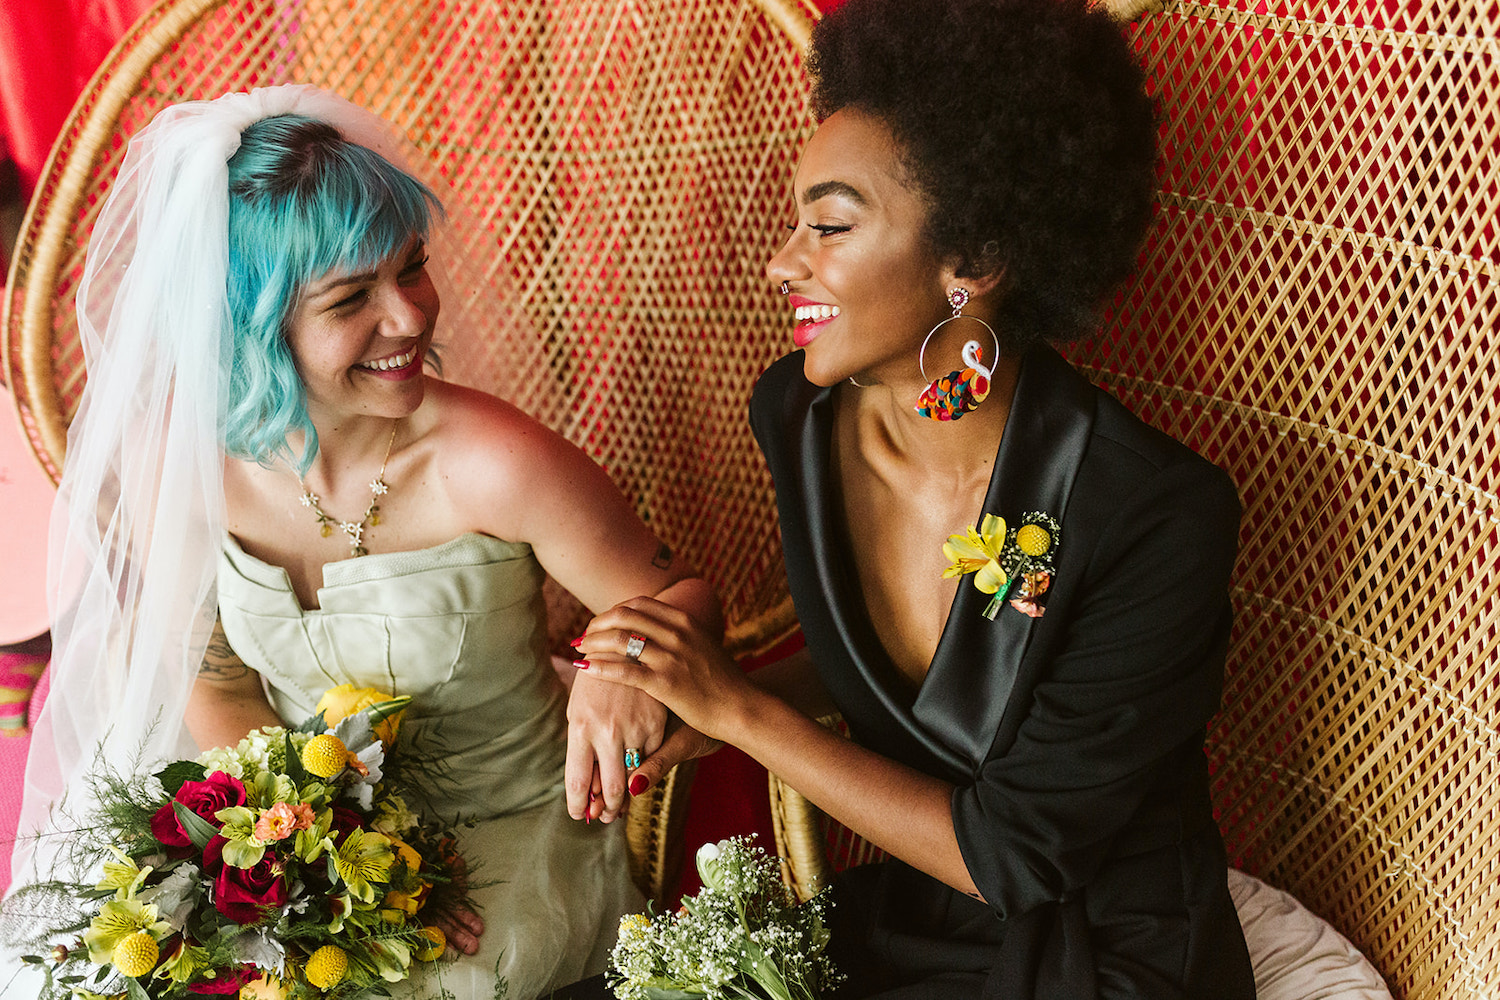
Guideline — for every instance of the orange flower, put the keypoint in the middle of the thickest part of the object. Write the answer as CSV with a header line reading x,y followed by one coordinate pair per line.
x,y
282,820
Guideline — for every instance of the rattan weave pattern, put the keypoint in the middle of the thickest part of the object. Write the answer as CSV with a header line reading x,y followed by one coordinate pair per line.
x,y
621,169
1316,311
621,165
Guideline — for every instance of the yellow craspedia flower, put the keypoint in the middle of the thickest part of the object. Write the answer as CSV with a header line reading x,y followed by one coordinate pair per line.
x,y
433,951
327,966
1033,539
136,954
325,756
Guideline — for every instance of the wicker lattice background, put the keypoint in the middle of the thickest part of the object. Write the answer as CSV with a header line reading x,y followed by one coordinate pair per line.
x,y
620,165
1316,311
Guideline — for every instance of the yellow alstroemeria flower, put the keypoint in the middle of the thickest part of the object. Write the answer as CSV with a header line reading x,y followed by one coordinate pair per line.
x,y
118,919
267,987
978,552
123,876
340,702
183,963
361,859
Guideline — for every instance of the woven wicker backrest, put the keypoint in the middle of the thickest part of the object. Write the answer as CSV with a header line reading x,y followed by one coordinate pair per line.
x,y
1316,311
621,166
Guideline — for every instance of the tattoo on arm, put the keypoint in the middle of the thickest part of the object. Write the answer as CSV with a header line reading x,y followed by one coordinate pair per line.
x,y
220,661
663,557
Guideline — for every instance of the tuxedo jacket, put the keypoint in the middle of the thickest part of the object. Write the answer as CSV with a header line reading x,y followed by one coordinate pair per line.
x,y
1073,739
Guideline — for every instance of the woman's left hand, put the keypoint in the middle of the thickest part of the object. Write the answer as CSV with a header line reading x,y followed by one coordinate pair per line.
x,y
678,664
605,720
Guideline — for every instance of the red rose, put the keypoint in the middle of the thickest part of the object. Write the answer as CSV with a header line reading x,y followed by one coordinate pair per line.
x,y
245,895
218,791
213,855
345,820
227,981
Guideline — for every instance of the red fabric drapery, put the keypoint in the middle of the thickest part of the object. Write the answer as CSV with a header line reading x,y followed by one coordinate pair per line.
x,y
48,51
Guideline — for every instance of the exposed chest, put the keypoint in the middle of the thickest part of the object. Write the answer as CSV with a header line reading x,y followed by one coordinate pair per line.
x,y
895,525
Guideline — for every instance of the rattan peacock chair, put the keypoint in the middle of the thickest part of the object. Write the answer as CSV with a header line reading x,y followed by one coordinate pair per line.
x,y
1316,311
621,167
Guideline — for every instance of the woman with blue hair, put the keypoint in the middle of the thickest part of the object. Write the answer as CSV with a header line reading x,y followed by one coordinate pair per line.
x,y
257,309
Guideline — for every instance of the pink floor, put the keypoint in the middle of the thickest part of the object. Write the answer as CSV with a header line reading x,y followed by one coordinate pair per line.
x,y
12,767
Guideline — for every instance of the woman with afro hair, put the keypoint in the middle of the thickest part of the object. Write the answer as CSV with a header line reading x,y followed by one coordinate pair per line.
x,y
1014,591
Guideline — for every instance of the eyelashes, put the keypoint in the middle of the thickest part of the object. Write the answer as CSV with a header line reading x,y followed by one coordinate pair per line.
x,y
824,230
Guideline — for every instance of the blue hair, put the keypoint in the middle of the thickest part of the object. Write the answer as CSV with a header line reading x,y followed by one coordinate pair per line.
x,y
303,201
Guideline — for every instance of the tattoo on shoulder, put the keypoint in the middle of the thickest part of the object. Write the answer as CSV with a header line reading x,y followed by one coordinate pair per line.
x,y
220,661
663,557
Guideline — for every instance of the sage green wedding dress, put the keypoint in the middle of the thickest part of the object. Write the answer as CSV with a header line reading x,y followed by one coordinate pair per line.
x,y
461,628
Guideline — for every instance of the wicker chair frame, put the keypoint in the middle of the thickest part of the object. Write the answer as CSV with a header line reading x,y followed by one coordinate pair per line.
x,y
1316,312
621,169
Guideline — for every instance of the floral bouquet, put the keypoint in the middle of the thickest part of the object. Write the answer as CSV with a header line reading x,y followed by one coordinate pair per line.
x,y
742,937
285,866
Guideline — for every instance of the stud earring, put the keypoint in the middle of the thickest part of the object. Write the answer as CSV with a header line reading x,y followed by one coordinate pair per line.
x,y
960,391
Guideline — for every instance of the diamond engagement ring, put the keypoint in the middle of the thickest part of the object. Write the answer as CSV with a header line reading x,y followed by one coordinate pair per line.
x,y
635,647
632,759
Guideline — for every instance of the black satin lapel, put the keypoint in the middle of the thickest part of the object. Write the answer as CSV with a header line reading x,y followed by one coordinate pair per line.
x,y
969,683
845,603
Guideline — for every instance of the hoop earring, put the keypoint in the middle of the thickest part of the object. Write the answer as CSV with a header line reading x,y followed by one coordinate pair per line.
x,y
961,390
785,287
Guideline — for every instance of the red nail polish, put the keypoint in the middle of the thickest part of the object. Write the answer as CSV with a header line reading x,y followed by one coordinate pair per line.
x,y
638,784
581,664
576,642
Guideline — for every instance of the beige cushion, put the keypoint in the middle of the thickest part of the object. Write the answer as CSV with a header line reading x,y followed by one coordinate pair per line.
x,y
1296,954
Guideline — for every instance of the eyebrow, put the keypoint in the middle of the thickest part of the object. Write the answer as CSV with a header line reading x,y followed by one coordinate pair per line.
x,y
356,279
823,189
353,279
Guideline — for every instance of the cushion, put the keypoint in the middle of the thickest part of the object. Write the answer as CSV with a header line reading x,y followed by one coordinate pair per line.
x,y
1296,954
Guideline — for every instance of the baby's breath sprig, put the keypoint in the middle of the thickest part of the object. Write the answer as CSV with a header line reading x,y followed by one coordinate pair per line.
x,y
741,937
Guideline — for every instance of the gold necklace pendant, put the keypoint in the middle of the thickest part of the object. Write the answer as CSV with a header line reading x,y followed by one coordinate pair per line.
x,y
355,530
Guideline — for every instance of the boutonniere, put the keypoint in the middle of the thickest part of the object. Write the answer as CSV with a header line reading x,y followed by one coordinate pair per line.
x,y
1008,563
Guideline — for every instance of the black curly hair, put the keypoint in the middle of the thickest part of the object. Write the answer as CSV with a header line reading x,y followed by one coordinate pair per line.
x,y
1025,125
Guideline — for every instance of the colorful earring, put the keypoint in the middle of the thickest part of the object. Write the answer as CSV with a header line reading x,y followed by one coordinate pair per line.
x,y
961,390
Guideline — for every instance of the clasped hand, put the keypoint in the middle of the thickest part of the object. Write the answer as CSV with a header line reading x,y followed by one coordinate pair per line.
x,y
680,666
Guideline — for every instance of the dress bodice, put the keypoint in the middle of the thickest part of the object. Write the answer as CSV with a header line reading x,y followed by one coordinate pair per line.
x,y
460,627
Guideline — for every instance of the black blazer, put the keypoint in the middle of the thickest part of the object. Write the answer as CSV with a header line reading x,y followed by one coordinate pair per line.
x,y
1074,740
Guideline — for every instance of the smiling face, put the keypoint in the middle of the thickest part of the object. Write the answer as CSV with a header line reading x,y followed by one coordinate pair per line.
x,y
359,340
865,283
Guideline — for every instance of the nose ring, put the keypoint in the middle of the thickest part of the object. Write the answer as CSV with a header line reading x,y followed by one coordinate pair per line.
x,y
786,288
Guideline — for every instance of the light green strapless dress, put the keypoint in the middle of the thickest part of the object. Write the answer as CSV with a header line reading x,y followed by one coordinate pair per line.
x,y
461,628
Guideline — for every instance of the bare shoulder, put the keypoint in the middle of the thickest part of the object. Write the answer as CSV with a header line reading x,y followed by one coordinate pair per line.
x,y
498,464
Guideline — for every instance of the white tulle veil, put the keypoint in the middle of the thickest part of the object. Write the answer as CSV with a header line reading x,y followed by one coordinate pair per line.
x,y
139,518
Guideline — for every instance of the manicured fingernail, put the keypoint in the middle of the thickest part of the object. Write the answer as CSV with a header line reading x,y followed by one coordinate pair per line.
x,y
581,664
638,784
591,797
576,642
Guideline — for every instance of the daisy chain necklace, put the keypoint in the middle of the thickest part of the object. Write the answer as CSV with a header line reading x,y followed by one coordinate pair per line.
x,y
355,531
